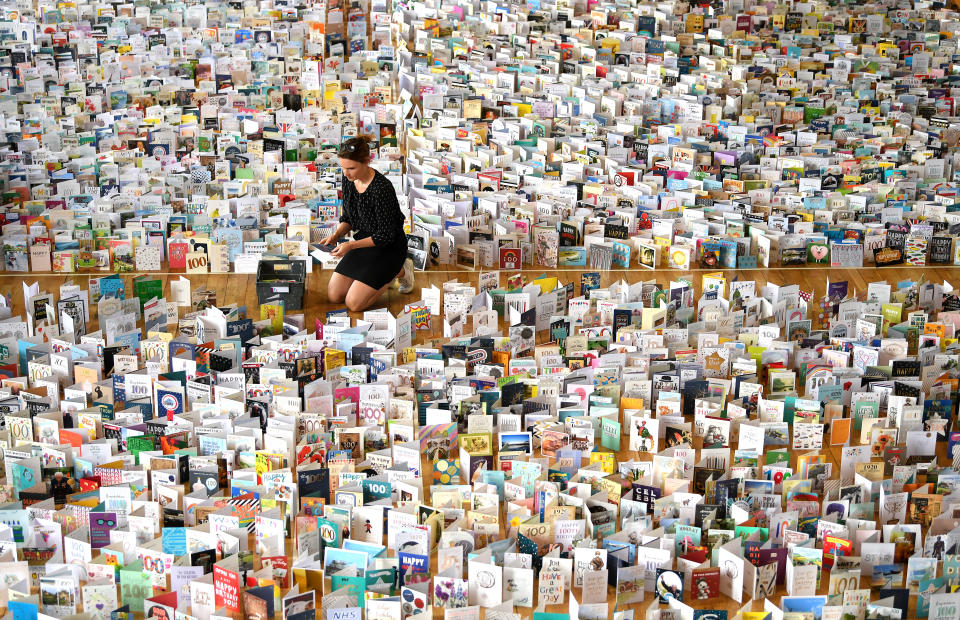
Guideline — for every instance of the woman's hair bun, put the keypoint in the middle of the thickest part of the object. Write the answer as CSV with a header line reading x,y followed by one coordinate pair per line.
x,y
356,149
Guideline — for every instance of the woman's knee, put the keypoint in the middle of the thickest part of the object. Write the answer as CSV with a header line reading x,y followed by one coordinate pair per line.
x,y
360,298
357,301
355,305
335,294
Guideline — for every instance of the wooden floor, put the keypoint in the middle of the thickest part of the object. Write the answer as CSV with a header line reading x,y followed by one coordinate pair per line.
x,y
241,289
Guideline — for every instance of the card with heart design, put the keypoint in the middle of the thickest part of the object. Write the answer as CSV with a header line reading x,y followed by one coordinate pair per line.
x,y
818,253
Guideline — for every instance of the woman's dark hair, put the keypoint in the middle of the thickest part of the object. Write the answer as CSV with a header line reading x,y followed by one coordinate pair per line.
x,y
356,149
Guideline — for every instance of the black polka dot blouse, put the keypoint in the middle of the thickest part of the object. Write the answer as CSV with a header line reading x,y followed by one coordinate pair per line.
x,y
374,213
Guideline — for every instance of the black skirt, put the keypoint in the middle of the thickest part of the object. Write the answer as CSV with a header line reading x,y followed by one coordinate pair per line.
x,y
375,266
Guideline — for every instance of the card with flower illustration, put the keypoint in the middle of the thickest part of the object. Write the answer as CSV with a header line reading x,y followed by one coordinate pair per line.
x,y
63,261
450,593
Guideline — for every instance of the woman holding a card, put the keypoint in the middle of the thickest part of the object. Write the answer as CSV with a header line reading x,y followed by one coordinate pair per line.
x,y
377,255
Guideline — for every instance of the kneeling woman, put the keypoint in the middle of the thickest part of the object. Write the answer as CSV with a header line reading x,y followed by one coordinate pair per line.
x,y
378,253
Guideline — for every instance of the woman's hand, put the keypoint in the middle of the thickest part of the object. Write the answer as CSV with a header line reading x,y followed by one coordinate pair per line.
x,y
342,249
330,239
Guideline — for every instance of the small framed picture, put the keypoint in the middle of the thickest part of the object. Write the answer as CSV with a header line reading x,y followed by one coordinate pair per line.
x,y
419,258
516,443
467,257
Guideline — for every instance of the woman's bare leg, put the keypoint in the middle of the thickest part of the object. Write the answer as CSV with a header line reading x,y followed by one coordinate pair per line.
x,y
361,297
338,287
